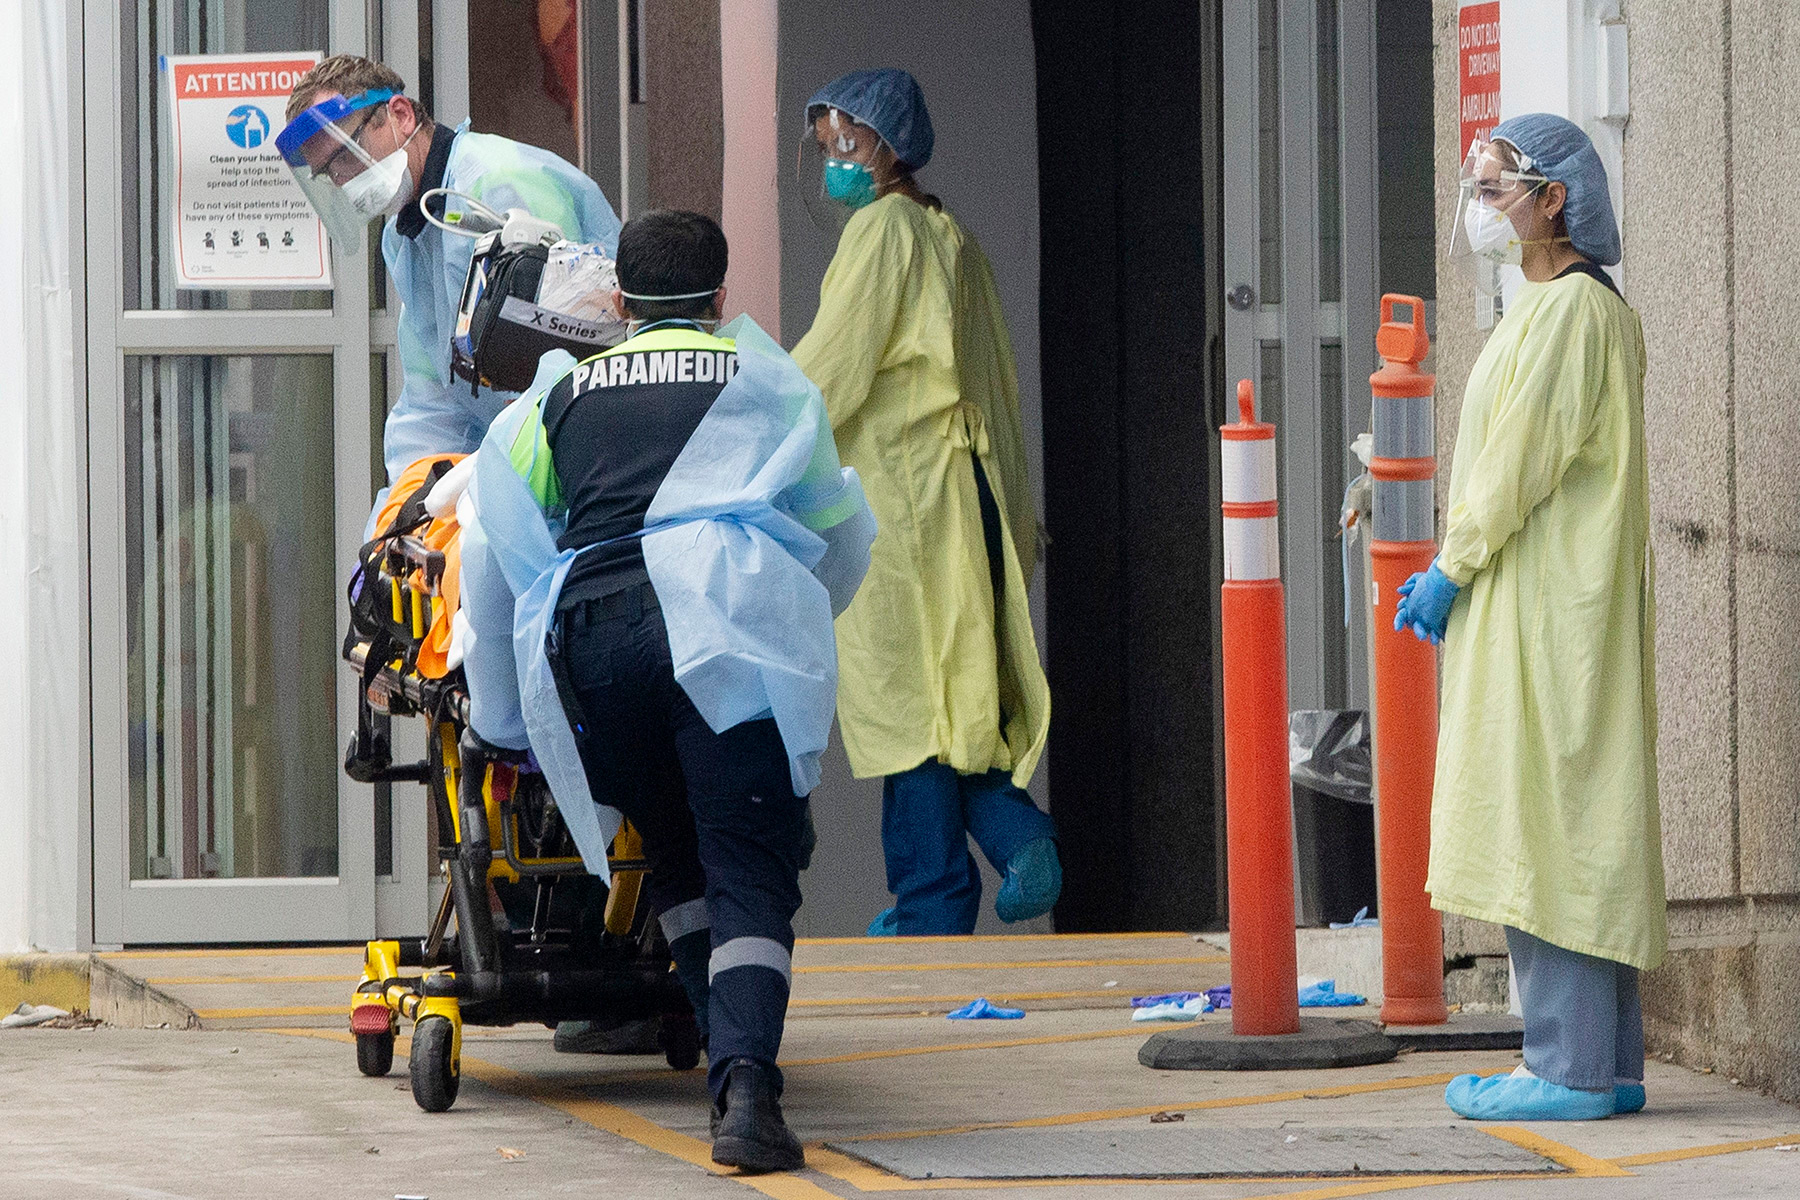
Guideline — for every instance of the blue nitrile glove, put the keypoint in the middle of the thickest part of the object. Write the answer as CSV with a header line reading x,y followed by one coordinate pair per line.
x,y
1425,602
982,1009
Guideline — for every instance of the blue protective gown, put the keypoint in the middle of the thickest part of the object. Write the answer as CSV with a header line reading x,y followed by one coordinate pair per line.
x,y
756,539
436,412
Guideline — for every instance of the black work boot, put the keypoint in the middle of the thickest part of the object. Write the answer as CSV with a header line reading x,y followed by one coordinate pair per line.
x,y
748,1131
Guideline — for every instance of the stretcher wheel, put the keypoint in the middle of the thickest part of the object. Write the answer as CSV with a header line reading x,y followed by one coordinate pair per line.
x,y
375,1053
680,1038
434,1075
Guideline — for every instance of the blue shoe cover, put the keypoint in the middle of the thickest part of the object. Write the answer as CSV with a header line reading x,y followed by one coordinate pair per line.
x,y
1033,882
886,923
1523,1098
1628,1098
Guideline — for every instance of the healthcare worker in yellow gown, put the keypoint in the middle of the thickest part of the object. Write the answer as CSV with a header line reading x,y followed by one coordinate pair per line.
x,y
940,689
1545,814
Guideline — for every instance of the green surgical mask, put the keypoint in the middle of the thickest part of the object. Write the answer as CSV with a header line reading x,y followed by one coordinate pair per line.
x,y
849,183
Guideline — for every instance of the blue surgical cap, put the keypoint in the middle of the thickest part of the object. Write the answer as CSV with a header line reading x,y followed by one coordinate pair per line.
x,y
889,102
1562,153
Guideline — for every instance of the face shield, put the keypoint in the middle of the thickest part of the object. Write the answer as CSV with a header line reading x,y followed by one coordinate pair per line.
x,y
1496,178
347,185
834,166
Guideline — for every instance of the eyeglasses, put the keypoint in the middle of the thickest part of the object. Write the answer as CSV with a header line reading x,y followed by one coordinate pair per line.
x,y
330,167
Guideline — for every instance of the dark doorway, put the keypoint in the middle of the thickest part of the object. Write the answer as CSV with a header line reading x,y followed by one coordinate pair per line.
x,y
1128,134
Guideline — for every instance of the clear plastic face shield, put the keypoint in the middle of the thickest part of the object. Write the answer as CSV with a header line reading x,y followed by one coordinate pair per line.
x,y
839,166
1498,184
348,159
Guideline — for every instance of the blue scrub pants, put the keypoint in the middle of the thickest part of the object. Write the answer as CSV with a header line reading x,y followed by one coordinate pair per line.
x,y
928,815
1584,1026
721,825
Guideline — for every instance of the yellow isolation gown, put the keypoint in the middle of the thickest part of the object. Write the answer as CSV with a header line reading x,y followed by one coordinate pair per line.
x,y
1545,814
911,352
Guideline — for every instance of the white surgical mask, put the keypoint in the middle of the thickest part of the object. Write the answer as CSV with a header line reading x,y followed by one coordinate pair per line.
x,y
383,189
1491,235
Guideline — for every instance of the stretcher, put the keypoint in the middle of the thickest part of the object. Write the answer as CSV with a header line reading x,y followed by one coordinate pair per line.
x,y
523,932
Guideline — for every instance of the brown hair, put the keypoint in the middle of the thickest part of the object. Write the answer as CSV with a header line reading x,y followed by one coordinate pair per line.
x,y
348,75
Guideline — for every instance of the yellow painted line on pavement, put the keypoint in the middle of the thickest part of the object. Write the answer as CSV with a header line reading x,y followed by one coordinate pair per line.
x,y
291,1010
604,1116
238,952
248,980
1013,965
909,1051
987,937
1584,1165
961,998
1669,1156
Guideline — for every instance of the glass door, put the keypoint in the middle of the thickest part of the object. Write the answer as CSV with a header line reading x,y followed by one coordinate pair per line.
x,y
233,461
1300,276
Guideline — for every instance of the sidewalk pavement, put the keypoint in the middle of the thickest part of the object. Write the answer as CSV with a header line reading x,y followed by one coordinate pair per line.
x,y
234,1112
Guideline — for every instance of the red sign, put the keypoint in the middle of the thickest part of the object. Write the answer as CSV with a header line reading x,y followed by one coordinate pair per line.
x,y
1478,53
261,76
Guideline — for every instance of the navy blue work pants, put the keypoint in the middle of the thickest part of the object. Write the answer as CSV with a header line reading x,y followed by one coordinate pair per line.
x,y
721,825
928,815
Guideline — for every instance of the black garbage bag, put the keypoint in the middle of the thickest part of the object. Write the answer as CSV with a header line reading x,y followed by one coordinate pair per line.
x,y
1328,751
1329,761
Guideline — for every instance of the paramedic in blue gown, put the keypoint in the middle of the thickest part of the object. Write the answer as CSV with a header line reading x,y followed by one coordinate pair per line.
x,y
669,652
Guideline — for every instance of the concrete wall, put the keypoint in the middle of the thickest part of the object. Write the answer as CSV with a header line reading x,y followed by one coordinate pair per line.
x,y
1709,260
976,66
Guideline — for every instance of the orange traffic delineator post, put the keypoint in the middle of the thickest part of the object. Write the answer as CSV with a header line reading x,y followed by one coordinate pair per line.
x,y
1266,1032
1259,811
1404,542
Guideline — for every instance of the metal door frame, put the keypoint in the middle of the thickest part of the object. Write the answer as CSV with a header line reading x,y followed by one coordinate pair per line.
x,y
352,904
1301,323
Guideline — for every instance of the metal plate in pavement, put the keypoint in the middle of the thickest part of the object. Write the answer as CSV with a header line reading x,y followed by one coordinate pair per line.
x,y
1195,1150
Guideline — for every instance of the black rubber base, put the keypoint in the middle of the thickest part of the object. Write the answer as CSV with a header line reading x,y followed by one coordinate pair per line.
x,y
1463,1031
1321,1042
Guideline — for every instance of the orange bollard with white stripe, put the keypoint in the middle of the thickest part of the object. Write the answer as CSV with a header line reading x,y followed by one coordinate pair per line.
x,y
1404,542
1259,813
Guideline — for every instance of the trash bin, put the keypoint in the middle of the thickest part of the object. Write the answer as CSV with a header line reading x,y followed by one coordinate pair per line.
x,y
1334,814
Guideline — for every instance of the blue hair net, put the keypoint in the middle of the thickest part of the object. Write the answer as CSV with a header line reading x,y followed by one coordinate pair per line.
x,y
1563,153
889,102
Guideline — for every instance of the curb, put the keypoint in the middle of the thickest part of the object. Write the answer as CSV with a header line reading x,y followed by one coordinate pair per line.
x,y
87,983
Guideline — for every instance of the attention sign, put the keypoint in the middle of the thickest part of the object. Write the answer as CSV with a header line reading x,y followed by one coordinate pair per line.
x,y
1478,53
241,220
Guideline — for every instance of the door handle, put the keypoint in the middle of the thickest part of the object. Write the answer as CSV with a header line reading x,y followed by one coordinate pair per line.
x,y
1241,297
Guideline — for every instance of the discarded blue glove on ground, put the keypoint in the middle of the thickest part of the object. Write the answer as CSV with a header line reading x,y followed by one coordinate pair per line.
x,y
981,1010
1324,994
1361,920
1176,1006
